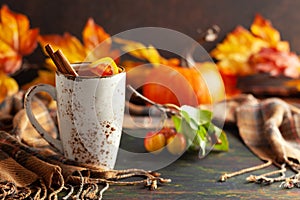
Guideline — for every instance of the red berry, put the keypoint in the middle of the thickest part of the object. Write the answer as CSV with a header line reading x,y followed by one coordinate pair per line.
x,y
176,144
154,142
168,132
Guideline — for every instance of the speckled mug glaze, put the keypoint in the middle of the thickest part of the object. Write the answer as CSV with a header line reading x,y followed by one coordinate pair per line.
x,y
90,117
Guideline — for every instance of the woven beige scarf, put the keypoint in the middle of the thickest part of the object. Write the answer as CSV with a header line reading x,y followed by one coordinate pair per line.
x,y
31,169
270,128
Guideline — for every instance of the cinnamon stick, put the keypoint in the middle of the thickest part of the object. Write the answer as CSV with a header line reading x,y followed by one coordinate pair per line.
x,y
54,59
60,61
61,67
65,63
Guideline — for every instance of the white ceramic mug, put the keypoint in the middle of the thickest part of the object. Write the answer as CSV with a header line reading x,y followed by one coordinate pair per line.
x,y
90,116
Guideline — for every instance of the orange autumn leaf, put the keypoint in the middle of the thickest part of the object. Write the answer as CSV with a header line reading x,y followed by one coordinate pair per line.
x,y
8,86
96,44
16,39
67,43
93,35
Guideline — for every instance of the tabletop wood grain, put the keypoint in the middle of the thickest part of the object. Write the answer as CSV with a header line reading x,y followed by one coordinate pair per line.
x,y
194,178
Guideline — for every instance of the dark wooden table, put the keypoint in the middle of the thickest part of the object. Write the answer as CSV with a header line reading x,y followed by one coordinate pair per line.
x,y
194,178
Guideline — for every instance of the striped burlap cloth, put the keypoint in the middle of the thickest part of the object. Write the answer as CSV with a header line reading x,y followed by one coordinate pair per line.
x,y
31,169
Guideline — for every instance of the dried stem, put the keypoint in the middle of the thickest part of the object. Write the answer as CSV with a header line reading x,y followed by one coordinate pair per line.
x,y
164,108
141,96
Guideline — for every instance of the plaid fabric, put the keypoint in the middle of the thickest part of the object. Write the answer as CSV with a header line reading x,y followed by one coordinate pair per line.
x,y
32,169
268,128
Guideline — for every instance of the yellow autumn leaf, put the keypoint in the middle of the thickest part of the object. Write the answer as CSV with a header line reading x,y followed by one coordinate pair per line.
x,y
139,50
233,53
16,39
8,86
263,29
142,52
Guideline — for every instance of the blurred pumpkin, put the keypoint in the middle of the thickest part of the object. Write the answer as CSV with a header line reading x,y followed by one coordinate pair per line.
x,y
201,84
165,81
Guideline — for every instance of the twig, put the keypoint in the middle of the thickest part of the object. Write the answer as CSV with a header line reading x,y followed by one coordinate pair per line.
x,y
143,97
164,108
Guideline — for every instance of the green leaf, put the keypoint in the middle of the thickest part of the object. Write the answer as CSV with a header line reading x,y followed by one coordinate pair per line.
x,y
198,115
186,115
224,145
205,116
202,151
200,132
177,122
192,111
187,130
192,123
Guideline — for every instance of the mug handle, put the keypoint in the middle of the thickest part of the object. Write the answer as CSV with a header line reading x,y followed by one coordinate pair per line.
x,y
27,105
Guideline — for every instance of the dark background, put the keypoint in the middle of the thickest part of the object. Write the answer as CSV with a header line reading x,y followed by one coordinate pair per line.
x,y
185,16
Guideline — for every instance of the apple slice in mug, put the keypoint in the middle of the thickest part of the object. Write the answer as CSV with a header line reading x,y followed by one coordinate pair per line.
x,y
103,67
